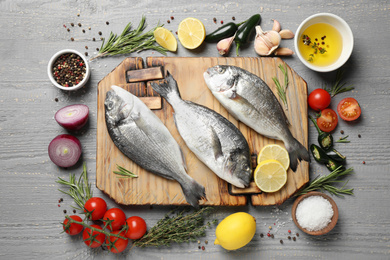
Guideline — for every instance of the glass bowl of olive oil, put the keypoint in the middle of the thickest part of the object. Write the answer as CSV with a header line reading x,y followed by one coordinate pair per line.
x,y
323,42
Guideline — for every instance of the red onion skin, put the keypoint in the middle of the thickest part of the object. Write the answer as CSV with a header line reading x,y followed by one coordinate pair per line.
x,y
60,161
75,125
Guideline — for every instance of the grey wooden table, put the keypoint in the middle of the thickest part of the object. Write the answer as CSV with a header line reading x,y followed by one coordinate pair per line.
x,y
32,31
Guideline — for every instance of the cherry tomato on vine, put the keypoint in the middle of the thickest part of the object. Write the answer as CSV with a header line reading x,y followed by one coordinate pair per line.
x,y
349,109
117,218
73,228
95,208
137,227
319,99
116,244
93,239
328,120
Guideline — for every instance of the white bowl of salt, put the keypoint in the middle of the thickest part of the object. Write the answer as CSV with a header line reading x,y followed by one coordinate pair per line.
x,y
315,213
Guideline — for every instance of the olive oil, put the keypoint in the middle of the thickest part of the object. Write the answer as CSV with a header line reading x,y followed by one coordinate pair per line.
x,y
321,44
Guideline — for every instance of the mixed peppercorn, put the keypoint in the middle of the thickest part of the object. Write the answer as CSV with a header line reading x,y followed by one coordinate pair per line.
x,y
69,70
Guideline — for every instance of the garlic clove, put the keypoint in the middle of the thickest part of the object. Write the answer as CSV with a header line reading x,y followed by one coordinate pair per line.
x,y
276,26
286,34
266,42
223,46
283,52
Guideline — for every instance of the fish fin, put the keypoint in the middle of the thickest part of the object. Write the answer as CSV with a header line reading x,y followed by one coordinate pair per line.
x,y
193,191
216,144
167,87
296,152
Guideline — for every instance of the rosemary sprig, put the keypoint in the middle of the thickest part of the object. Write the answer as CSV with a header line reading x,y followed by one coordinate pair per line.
x,y
177,228
130,41
282,89
325,183
343,140
338,87
124,172
79,190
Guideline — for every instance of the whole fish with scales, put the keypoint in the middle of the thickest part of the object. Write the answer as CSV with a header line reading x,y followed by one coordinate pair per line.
x,y
141,136
249,99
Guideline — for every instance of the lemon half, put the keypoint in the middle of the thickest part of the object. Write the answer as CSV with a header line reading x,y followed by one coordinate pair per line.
x,y
191,33
270,176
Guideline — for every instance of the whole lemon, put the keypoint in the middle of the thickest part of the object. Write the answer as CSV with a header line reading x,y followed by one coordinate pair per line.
x,y
235,231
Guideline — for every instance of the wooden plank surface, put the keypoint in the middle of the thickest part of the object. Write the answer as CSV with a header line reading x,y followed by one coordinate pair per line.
x,y
188,72
32,31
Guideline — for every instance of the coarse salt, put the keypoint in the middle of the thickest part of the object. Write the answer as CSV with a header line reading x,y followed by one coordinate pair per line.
x,y
314,213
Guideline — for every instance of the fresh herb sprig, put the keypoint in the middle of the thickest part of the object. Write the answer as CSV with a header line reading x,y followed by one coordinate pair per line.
x,y
282,89
325,183
343,140
79,190
177,228
316,46
124,173
337,86
130,41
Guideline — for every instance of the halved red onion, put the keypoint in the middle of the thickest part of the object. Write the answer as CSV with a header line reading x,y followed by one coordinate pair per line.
x,y
65,150
72,117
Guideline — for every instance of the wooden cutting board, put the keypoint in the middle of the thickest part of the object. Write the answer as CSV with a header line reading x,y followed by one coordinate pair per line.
x,y
149,189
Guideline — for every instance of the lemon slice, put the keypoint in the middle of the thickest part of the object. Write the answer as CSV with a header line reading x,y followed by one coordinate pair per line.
x,y
191,33
270,176
165,38
274,152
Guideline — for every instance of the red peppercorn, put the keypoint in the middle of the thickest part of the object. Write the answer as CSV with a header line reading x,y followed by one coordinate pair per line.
x,y
268,234
221,22
172,17
289,231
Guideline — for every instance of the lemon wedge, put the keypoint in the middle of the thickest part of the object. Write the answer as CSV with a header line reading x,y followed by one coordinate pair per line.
x,y
191,33
270,176
165,38
274,152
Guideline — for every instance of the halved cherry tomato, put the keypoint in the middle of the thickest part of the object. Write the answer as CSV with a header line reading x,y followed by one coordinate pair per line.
x,y
93,239
116,244
95,208
115,219
319,99
137,227
73,228
328,120
349,109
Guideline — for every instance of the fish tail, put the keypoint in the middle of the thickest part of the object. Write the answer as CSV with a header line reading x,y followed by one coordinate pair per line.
x,y
296,151
167,88
193,191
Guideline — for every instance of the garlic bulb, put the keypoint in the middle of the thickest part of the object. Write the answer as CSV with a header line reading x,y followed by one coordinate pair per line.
x,y
266,42
223,46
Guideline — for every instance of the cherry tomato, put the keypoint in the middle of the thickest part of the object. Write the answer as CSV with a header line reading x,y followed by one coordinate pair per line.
x,y
137,227
328,120
116,244
349,109
95,208
73,228
117,218
93,239
319,99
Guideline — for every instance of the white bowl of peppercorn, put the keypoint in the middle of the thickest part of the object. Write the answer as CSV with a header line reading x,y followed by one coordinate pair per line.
x,y
68,70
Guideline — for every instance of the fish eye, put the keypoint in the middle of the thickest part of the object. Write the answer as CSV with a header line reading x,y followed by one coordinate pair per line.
x,y
220,70
110,104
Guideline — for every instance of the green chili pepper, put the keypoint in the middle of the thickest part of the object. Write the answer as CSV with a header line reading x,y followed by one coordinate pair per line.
x,y
324,139
320,156
223,32
243,33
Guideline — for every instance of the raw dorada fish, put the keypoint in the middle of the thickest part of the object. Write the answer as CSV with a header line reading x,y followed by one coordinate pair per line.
x,y
249,99
140,135
211,137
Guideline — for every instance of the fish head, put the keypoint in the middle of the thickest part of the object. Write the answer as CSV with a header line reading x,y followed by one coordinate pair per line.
x,y
220,78
238,169
118,104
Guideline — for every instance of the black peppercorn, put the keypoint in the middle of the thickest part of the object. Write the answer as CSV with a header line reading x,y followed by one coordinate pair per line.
x,y
281,241
107,23
83,31
97,49
86,47
72,24
56,99
233,18
93,39
341,132
72,39
294,238
297,234
289,237
74,211
168,21
64,211
100,33
359,135
86,53
79,24
68,30
261,235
